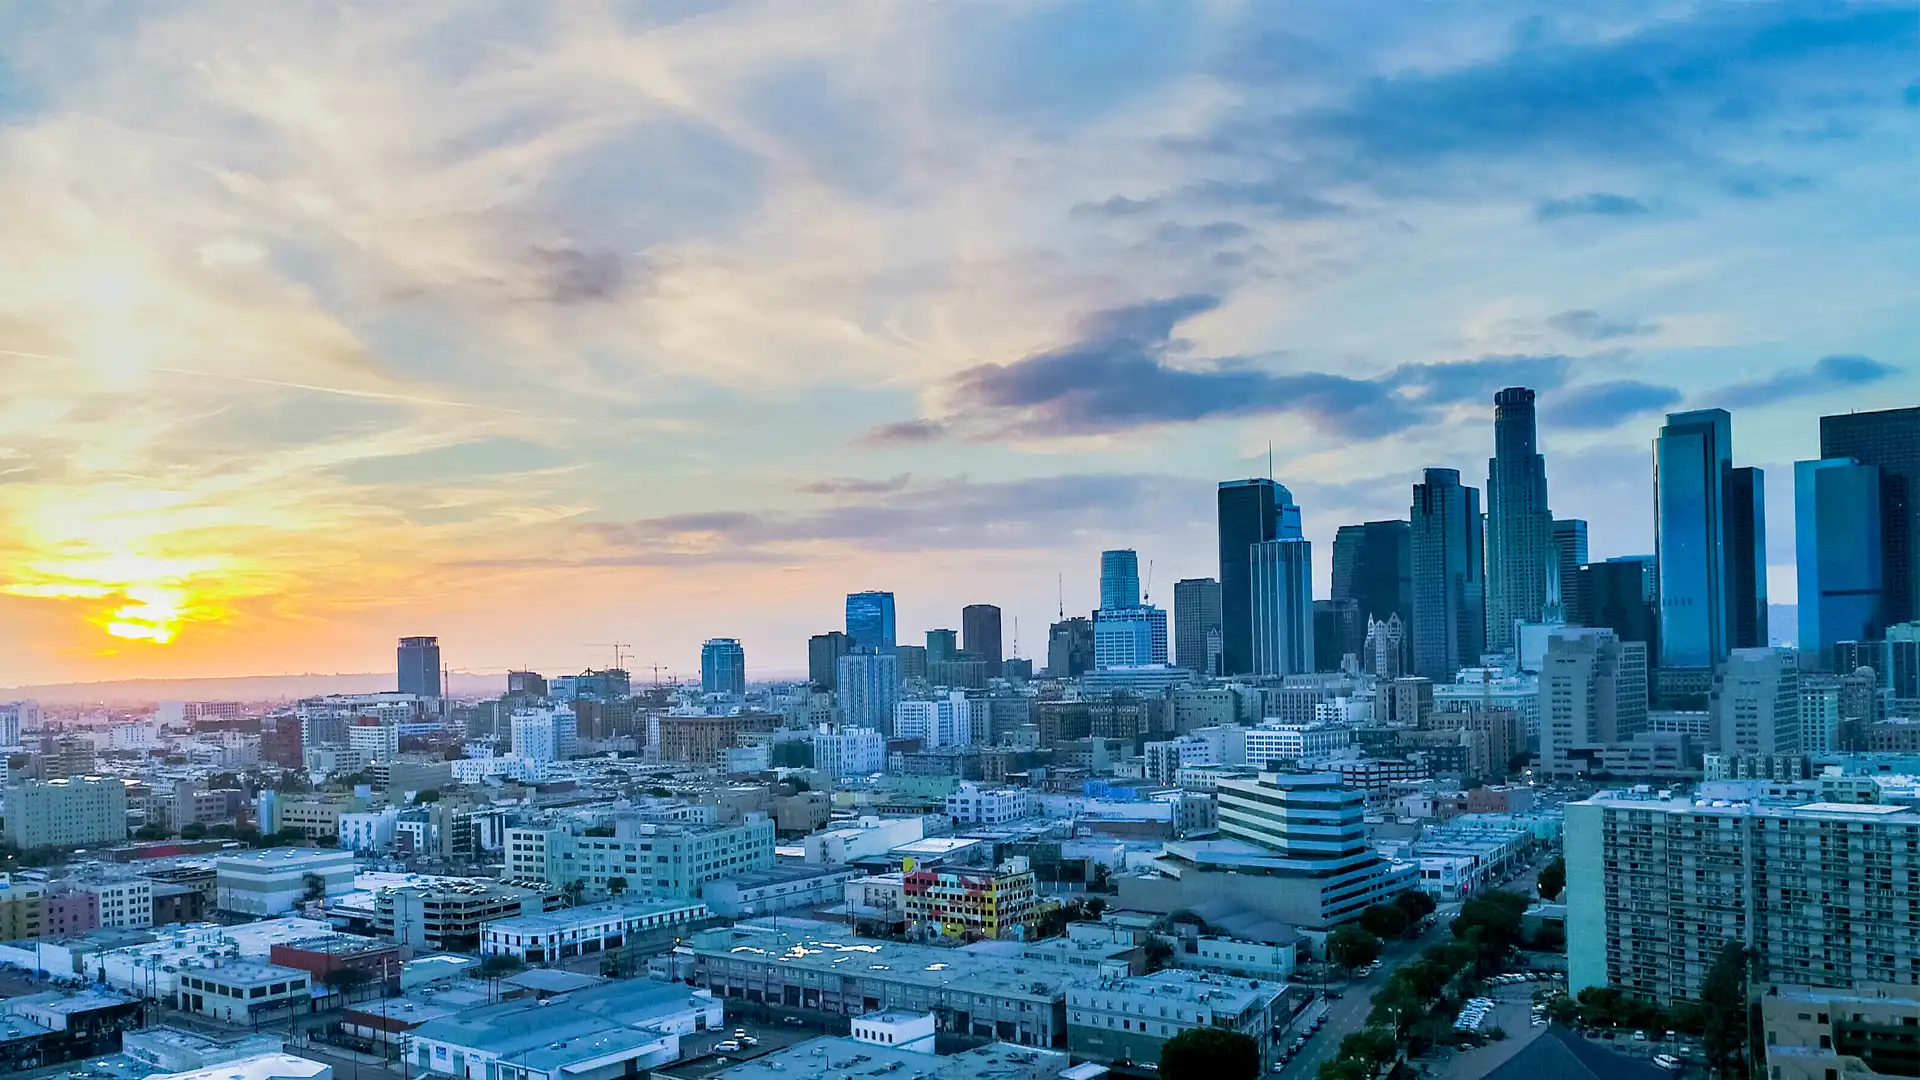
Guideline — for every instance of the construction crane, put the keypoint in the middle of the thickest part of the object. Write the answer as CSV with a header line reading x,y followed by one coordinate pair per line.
x,y
1146,593
619,657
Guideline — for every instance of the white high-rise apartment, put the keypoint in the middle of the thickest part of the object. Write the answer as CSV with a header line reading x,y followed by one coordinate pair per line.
x,y
15,717
849,751
546,734
374,741
1756,702
66,813
1593,690
945,721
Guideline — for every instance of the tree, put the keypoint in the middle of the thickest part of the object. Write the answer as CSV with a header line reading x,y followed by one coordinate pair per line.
x,y
431,795
1553,878
1563,1009
616,885
193,830
1350,946
1342,1069
574,891
1375,1046
1416,904
1491,921
1208,1053
799,784
316,886
1385,920
150,832
1158,953
1725,999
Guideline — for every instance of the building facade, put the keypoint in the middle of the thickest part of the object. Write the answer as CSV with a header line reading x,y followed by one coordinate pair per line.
x,y
1280,584
1196,624
1519,524
1888,439
1449,628
1693,460
870,624
961,902
980,636
69,813
1249,512
723,667
1840,566
1593,691
419,666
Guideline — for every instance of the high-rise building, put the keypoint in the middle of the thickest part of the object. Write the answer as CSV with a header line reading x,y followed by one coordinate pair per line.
x,y
943,721
942,646
1315,829
980,631
823,658
1890,439
1250,512
1519,526
914,663
1119,580
1692,459
1385,650
546,734
1373,567
420,666
1840,567
1593,691
1196,611
1618,595
1569,555
527,684
1337,633
1747,557
1755,707
1280,580
723,667
1449,582
870,621
1820,728
869,687
1129,637
1070,648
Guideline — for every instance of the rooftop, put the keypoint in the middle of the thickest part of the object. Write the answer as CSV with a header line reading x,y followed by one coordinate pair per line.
x,y
835,1057
1218,992
250,973
567,918
78,1001
831,947
264,1067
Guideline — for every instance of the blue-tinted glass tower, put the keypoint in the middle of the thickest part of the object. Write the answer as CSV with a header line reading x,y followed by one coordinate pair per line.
x,y
1250,512
1449,576
723,667
1519,525
1691,461
1837,527
870,621
1119,580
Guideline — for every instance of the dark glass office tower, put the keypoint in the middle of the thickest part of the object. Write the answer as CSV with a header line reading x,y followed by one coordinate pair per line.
x,y
1747,557
1250,512
1519,525
870,621
942,646
1196,610
1620,598
1838,561
823,658
419,663
1373,567
1889,439
1449,576
1569,555
980,633
1691,460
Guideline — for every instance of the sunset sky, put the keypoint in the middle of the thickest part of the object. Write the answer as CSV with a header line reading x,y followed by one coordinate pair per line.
x,y
544,326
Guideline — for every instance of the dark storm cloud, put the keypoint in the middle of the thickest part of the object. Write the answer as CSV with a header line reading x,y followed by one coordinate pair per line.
x,y
1598,406
1589,325
1828,373
1592,204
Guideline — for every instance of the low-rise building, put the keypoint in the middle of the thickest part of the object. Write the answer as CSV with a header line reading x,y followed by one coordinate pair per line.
x,y
22,908
272,881
243,992
642,858
1867,1031
620,1028
450,915
778,889
125,902
961,902
583,931
971,804
831,1057
1129,1019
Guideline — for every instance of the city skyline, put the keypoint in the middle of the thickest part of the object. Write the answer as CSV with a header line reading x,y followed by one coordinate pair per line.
x,y
330,339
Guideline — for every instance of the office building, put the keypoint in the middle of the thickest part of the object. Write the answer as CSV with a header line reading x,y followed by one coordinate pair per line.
x,y
1384,653
1280,586
870,622
1862,1032
1129,638
71,813
640,858
988,902
1196,624
1569,585
1449,583
419,661
1890,440
1755,705
972,804
1619,595
239,993
1337,634
1747,557
823,658
1250,512
1105,1016
1693,460
1820,728
723,667
1070,648
123,901
1373,567
1519,529
1119,580
1593,692
980,636
1292,744
449,914
869,687
526,684
944,721
942,646
849,751
1839,564
546,734
273,881
623,1028
913,662
1820,892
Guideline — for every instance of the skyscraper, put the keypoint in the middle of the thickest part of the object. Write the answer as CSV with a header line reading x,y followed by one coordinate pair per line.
x,y
1449,582
1691,460
1196,610
1889,439
1280,579
1569,555
1250,512
1129,637
823,658
942,646
1837,527
1619,597
1747,557
1119,580
980,632
1755,705
1593,689
1070,648
419,663
870,621
1373,566
1519,525
869,688
723,667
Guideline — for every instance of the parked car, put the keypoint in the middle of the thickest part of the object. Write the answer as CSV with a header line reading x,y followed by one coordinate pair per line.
x,y
727,1046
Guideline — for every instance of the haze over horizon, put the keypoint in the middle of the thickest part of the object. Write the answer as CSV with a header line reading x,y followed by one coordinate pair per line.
x,y
542,328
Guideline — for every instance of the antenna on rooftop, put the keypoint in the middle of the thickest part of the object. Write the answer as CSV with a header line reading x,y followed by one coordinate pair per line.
x,y
1062,583
1269,459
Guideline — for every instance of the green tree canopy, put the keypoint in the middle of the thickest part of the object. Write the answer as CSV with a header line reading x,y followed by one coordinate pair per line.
x,y
1416,904
1208,1053
193,830
1385,920
1351,946
1727,1002
1553,878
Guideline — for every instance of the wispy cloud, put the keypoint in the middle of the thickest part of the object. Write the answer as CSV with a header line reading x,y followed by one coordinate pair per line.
x,y
1828,374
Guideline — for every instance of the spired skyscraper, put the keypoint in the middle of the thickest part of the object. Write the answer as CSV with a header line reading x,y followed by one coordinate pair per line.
x,y
419,663
1119,580
1449,578
1250,512
1519,525
870,625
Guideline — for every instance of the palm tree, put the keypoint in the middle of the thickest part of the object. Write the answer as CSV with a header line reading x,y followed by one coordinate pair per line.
x,y
574,890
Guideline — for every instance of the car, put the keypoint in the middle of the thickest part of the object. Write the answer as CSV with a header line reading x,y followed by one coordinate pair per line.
x,y
1150,1066
727,1046
747,1040
1332,995
738,1032
793,1021
1639,1036
1667,1062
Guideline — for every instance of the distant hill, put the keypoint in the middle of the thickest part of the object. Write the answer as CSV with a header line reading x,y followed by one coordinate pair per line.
x,y
240,688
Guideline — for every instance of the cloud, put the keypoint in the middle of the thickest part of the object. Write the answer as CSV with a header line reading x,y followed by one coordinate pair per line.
x,y
1589,325
1286,200
572,276
1117,206
1592,204
856,486
1477,380
1827,374
1597,406
905,433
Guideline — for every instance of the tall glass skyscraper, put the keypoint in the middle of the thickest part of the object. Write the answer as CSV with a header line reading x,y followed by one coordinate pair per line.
x,y
1373,567
419,664
870,621
1519,525
1747,557
1280,578
723,667
1449,577
1196,616
1890,439
1119,580
1839,563
980,632
1691,460
1250,512
1569,555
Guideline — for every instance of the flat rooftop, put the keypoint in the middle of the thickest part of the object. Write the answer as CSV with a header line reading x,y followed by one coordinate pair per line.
x,y
834,1057
824,947
567,918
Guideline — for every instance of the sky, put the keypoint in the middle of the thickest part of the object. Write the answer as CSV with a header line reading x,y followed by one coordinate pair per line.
x,y
548,327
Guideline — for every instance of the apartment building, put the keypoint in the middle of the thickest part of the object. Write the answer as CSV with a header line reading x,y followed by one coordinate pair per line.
x,y
22,908
972,804
658,861
449,916
1868,1031
1294,742
125,902
75,812
1827,895
957,902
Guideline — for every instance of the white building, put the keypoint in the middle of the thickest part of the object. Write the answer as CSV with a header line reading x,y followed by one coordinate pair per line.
x,y
133,735
849,751
16,717
1295,742
1495,688
1756,702
946,721
1593,690
510,766
368,830
582,931
1165,759
546,734
374,741
274,880
125,902
899,1029
971,804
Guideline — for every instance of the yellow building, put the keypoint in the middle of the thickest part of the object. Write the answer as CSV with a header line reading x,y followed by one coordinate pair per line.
x,y
22,908
961,902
